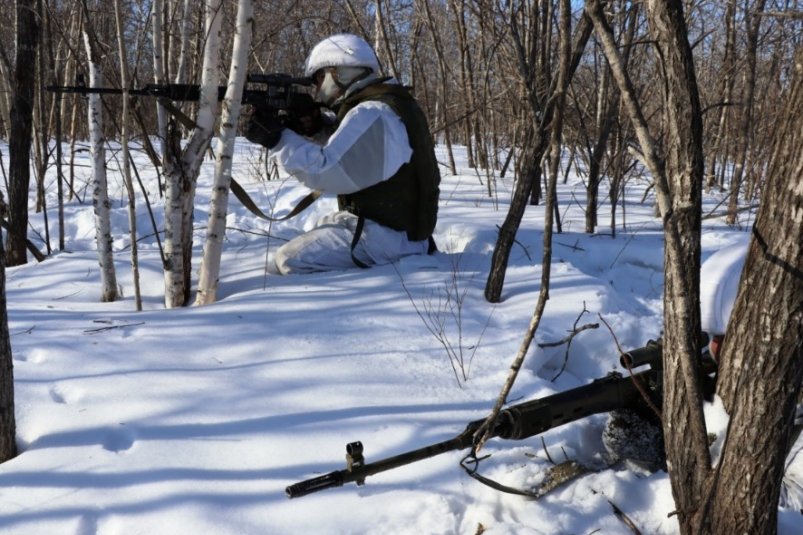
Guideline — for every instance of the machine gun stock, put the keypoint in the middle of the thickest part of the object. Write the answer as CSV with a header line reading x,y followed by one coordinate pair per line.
x,y
523,420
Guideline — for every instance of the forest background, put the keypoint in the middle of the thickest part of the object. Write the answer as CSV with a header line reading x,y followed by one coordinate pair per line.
x,y
697,94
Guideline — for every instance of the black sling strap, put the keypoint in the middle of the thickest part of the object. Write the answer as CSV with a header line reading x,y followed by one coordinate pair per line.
x,y
355,240
249,203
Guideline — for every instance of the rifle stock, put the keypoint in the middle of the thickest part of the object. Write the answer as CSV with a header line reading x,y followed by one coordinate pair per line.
x,y
520,421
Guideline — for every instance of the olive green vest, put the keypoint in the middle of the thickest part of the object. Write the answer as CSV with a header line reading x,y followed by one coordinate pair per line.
x,y
408,200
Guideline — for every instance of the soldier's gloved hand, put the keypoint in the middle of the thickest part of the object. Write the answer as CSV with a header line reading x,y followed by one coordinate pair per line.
x,y
264,128
304,114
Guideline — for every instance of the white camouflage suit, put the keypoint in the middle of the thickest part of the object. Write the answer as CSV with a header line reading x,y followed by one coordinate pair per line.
x,y
368,147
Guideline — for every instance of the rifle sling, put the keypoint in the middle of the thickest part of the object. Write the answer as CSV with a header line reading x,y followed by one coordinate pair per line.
x,y
249,203
177,113
472,459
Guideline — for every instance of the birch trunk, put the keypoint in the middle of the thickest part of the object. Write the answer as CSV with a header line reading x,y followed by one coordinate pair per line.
x,y
100,194
216,227
129,186
159,74
182,168
182,69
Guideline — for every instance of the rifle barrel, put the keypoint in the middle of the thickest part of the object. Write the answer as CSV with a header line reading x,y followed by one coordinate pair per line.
x,y
358,473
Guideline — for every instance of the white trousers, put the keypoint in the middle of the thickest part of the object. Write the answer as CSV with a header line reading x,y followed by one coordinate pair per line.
x,y
328,246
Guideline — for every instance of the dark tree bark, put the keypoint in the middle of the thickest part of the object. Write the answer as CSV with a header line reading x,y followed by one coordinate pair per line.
x,y
524,186
21,125
8,426
684,427
762,357
753,16
678,175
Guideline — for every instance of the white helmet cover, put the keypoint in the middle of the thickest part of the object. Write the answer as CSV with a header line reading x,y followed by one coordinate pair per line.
x,y
341,50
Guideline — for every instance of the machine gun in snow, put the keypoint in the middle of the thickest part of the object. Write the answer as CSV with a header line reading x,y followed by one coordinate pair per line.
x,y
524,420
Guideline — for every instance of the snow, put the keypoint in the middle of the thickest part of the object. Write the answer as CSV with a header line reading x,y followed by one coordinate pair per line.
x,y
195,420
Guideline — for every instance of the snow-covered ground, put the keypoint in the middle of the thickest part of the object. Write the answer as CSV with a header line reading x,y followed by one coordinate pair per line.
x,y
195,420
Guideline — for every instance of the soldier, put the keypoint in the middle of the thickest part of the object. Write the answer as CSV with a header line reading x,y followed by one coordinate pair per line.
x,y
379,160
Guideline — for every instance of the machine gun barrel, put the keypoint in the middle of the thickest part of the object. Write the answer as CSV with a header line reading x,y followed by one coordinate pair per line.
x,y
357,471
517,422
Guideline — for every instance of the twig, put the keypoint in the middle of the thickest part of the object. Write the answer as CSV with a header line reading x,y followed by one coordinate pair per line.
x,y
638,384
26,331
624,518
109,327
568,339
548,456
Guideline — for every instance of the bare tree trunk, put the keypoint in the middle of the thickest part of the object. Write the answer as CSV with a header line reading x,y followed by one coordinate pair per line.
x,y
100,194
753,22
606,105
684,426
159,74
465,78
27,36
721,135
762,358
607,108
5,98
678,181
8,423
216,228
543,109
55,76
132,209
563,79
41,127
382,44
443,90
182,168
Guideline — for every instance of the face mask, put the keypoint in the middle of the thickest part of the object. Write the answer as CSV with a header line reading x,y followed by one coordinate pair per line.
x,y
329,91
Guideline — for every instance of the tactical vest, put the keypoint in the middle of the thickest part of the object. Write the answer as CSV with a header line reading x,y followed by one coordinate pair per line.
x,y
407,201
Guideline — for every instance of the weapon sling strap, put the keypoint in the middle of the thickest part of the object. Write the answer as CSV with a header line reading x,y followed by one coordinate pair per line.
x,y
432,248
249,203
470,463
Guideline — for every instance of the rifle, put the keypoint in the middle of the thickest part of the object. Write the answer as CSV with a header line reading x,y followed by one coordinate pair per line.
x,y
525,420
279,88
279,92
280,95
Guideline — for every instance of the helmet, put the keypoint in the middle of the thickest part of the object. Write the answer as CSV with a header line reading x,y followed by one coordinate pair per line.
x,y
341,50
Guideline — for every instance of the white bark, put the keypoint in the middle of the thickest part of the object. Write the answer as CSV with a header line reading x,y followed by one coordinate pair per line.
x,y
132,212
184,36
181,171
100,195
216,227
159,73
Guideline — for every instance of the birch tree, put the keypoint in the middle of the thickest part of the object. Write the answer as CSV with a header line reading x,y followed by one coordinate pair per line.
x,y
216,227
182,169
125,121
100,194
159,73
